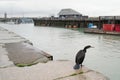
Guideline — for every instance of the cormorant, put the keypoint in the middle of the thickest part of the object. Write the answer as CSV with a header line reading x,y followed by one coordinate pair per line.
x,y
80,57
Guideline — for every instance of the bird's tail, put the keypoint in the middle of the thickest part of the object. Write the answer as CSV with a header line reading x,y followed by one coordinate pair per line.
x,y
77,66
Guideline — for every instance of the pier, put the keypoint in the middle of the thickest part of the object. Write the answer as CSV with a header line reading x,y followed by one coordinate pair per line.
x,y
78,22
65,22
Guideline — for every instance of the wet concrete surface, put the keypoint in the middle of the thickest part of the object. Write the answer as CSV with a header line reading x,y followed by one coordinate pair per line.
x,y
24,53
52,70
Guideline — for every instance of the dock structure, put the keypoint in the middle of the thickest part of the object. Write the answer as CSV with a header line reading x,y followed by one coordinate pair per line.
x,y
78,22
100,31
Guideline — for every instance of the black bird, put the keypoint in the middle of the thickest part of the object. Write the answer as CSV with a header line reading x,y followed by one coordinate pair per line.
x,y
80,57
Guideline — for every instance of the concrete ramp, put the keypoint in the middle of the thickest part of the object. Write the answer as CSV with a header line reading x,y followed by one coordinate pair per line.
x,y
24,53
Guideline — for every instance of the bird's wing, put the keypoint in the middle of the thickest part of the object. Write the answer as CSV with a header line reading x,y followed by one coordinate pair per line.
x,y
80,57
80,54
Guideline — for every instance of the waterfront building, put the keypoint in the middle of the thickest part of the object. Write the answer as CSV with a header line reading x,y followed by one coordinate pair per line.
x,y
70,13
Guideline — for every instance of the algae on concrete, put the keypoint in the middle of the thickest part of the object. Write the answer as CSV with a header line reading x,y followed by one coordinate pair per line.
x,y
74,74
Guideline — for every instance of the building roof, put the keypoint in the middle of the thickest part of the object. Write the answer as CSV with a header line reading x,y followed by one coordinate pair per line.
x,y
68,12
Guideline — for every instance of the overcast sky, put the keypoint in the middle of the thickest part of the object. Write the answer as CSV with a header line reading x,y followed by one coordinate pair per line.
x,y
40,8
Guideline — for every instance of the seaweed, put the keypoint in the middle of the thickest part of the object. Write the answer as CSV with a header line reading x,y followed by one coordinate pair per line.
x,y
23,65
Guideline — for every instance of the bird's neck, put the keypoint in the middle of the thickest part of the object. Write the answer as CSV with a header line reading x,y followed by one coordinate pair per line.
x,y
85,49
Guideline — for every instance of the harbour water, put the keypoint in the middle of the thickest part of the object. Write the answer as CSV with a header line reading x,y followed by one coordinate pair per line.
x,y
64,43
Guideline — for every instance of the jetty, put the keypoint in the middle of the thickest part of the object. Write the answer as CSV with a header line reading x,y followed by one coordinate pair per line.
x,y
78,22
97,25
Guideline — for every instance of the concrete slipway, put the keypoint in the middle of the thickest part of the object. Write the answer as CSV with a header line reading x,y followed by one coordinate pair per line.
x,y
15,49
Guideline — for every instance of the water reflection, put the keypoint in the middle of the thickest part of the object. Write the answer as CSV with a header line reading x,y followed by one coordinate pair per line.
x,y
65,43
